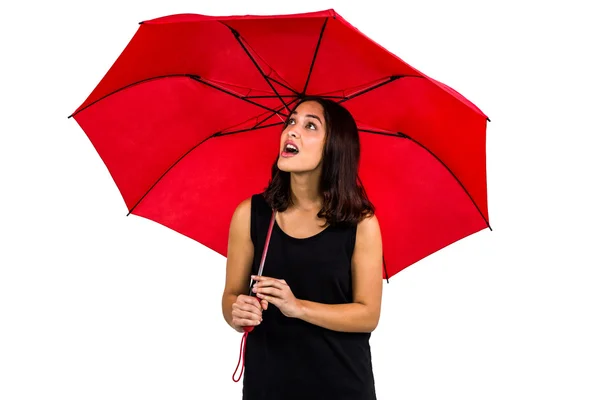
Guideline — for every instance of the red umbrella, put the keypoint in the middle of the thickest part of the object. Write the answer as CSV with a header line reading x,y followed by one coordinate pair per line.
x,y
188,118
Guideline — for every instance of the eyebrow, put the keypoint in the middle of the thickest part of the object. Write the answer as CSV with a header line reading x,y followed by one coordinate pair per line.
x,y
311,116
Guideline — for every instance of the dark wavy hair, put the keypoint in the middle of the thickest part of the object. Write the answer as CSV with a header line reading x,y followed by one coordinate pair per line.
x,y
345,201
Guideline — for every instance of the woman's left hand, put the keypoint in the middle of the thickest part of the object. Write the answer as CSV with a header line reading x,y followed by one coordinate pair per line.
x,y
278,293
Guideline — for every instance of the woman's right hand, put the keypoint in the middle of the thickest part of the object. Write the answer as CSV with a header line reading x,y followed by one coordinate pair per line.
x,y
247,311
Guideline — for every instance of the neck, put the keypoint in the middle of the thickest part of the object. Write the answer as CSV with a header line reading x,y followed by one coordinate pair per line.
x,y
305,191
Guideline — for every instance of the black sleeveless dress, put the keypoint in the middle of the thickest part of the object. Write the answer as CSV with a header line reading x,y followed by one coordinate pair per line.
x,y
287,358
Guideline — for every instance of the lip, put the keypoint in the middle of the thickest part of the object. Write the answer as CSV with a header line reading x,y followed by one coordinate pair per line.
x,y
290,142
286,154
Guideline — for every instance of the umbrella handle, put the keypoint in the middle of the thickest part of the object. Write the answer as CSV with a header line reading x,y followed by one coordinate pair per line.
x,y
249,329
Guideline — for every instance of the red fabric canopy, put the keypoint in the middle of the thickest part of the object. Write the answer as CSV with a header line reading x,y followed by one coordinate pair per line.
x,y
188,119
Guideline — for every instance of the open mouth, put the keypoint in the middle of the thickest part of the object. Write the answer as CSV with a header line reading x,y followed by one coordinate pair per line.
x,y
290,150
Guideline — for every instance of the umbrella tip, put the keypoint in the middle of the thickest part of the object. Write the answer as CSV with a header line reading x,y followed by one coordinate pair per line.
x,y
70,116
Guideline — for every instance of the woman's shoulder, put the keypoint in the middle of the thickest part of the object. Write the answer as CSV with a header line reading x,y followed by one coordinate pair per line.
x,y
247,202
241,214
369,221
368,233
254,203
368,226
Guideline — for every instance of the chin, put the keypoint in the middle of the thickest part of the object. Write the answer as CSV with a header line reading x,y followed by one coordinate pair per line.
x,y
290,165
285,165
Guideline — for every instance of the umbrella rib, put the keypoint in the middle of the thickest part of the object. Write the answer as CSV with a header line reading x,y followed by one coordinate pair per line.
x,y
387,277
237,36
214,135
218,134
271,96
397,134
270,116
455,177
312,64
370,88
167,171
282,84
193,77
257,124
128,86
405,136
244,98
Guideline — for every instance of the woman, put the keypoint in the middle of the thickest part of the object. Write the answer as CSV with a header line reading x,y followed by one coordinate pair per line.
x,y
320,296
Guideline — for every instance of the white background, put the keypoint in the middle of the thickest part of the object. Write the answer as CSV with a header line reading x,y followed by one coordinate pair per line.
x,y
97,305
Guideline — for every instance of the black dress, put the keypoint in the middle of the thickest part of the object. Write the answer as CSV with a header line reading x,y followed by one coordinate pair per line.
x,y
287,358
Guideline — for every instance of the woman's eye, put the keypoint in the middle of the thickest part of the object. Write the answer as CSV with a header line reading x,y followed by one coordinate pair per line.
x,y
291,121
310,125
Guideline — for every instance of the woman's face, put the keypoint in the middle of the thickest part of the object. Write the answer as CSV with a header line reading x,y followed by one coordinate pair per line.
x,y
306,132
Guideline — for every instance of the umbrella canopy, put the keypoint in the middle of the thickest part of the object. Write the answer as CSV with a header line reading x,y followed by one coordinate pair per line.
x,y
188,118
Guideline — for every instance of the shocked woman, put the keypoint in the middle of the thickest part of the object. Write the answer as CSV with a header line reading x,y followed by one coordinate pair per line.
x,y
314,309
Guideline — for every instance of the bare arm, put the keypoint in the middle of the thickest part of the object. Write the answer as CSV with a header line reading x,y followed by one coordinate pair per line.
x,y
362,315
240,252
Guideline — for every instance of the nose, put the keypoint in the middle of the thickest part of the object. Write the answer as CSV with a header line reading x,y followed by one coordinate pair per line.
x,y
292,133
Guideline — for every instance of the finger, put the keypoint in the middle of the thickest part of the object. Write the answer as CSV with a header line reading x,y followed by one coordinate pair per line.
x,y
246,315
248,299
270,283
277,302
251,308
265,304
252,301
268,278
263,278
245,322
271,291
